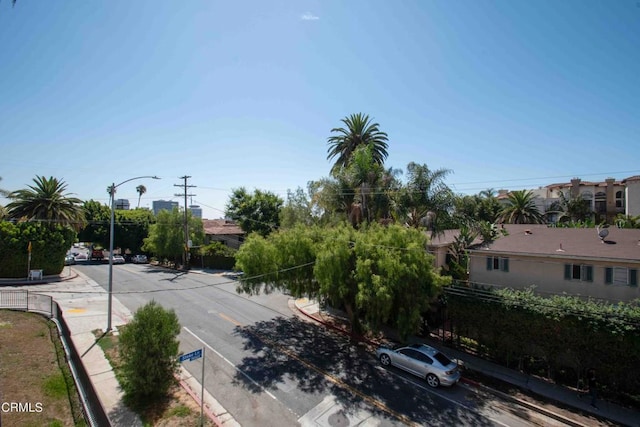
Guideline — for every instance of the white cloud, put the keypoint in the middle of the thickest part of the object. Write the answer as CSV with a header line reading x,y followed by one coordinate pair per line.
x,y
309,17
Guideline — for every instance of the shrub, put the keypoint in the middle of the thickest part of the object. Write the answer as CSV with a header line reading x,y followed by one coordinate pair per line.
x,y
149,354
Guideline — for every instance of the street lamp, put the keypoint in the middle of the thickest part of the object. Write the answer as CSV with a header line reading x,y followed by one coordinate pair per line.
x,y
112,192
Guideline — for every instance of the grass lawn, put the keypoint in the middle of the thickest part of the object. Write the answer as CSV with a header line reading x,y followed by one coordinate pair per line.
x,y
36,385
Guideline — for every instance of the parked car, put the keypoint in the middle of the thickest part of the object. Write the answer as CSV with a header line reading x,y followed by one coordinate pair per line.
x,y
118,259
81,257
421,360
69,259
139,259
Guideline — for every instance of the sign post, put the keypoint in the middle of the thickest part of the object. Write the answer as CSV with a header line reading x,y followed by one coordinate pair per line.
x,y
196,354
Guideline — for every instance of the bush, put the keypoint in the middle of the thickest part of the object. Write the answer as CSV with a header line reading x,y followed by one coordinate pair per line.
x,y
48,247
149,353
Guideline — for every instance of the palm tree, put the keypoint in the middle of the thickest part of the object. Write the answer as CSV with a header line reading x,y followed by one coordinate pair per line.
x,y
141,189
46,201
359,130
521,209
3,192
426,200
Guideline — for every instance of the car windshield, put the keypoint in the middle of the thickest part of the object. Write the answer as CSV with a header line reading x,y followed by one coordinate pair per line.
x,y
444,360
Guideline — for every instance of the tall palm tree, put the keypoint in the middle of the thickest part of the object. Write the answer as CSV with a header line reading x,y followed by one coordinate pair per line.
x,y
359,130
141,189
46,201
521,209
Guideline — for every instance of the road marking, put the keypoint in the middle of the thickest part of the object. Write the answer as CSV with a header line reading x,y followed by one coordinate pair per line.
x,y
230,319
231,363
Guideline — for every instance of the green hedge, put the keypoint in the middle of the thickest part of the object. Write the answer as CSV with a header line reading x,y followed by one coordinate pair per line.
x,y
558,338
49,246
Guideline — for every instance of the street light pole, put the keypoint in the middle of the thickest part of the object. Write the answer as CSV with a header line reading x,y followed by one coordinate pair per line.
x,y
112,192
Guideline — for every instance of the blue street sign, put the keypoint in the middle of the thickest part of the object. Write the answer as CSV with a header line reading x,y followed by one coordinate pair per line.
x,y
191,356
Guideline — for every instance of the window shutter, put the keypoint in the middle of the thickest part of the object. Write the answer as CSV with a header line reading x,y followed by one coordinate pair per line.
x,y
588,276
505,264
489,263
633,277
567,271
608,275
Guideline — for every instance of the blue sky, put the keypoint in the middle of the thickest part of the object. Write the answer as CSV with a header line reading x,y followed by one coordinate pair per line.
x,y
506,94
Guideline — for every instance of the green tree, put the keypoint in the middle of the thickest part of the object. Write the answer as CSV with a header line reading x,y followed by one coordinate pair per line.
x,y
359,131
166,236
131,227
148,347
141,189
96,229
47,201
426,201
521,209
296,210
258,212
379,275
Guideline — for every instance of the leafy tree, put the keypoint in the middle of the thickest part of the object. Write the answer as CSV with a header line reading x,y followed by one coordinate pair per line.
x,y
426,201
131,227
379,275
149,346
258,212
141,189
47,201
283,260
479,207
296,210
166,236
521,209
98,218
359,131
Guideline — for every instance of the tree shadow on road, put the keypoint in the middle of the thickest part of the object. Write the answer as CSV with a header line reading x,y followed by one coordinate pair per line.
x,y
289,353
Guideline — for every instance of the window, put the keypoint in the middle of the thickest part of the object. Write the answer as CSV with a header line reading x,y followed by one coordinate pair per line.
x,y
619,199
580,272
621,276
498,263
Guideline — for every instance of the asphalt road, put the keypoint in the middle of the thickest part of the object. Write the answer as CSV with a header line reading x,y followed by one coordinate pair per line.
x,y
267,366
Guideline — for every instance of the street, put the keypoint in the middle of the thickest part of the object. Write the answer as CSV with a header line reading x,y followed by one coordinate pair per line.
x,y
267,366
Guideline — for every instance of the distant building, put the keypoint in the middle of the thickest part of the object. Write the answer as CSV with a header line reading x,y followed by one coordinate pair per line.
x,y
196,211
223,230
159,205
122,204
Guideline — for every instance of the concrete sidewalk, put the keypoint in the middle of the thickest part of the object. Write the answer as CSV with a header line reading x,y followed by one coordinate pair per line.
x,y
562,395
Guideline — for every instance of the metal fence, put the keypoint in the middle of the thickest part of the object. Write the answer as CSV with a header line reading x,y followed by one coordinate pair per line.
x,y
44,304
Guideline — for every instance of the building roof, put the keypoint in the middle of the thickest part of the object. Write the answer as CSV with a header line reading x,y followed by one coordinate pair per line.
x,y
542,240
220,227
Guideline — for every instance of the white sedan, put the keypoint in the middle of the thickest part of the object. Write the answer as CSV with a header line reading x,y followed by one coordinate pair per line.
x,y
421,360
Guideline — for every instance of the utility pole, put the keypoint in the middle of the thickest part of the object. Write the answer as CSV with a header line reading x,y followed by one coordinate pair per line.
x,y
185,254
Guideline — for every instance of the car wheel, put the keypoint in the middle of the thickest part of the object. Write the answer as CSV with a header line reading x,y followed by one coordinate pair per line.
x,y
385,359
433,380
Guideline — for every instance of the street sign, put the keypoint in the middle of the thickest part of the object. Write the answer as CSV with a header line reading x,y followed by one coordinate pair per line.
x,y
191,356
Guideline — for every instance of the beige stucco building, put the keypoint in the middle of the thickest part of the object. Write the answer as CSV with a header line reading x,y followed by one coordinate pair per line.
x,y
573,261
